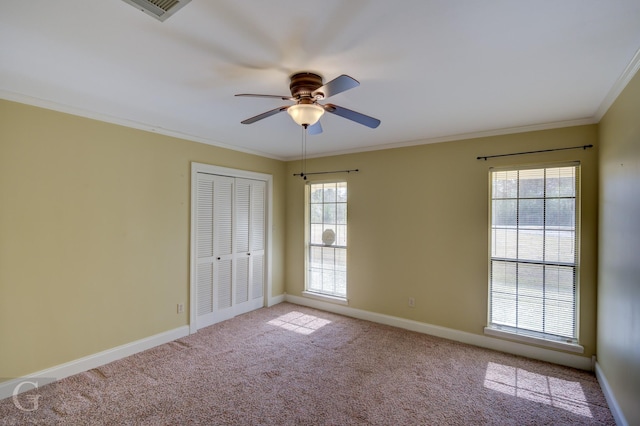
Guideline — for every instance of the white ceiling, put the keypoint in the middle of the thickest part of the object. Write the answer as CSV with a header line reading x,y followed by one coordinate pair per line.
x,y
429,70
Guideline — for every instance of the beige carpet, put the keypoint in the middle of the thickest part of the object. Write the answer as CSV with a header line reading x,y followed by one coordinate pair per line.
x,y
291,365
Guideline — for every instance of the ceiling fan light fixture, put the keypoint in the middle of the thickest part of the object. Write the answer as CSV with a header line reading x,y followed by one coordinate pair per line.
x,y
305,114
306,90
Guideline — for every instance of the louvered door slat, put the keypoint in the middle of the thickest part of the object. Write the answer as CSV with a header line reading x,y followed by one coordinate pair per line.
x,y
204,277
242,279
204,226
242,199
257,276
223,280
223,216
257,215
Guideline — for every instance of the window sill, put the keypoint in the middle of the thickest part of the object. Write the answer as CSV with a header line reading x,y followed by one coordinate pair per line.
x,y
565,346
326,297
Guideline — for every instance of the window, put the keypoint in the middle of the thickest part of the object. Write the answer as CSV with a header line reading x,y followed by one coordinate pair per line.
x,y
327,239
534,258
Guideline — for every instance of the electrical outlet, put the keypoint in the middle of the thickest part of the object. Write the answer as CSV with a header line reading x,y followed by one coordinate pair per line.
x,y
412,302
180,308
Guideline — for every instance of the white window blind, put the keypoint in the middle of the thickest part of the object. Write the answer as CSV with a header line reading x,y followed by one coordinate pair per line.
x,y
327,239
534,257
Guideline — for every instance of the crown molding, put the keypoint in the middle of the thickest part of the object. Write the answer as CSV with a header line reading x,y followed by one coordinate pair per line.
x,y
621,83
55,106
460,136
617,88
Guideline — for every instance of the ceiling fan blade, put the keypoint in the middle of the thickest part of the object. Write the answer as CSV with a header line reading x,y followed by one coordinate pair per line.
x,y
315,129
337,85
252,95
264,115
352,115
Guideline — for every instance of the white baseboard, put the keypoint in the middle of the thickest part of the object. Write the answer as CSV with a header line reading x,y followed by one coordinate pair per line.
x,y
101,358
618,416
274,300
93,361
535,352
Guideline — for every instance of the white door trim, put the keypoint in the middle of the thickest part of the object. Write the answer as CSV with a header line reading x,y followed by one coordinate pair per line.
x,y
236,173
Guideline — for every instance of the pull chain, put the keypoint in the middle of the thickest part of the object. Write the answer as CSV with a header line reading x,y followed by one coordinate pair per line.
x,y
304,152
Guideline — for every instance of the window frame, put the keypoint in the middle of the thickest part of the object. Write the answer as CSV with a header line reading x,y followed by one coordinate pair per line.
x,y
523,335
314,293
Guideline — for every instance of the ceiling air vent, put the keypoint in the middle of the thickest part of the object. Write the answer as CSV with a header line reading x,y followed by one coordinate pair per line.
x,y
159,9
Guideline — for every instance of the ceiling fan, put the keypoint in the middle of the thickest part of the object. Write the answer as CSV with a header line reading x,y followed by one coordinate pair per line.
x,y
306,90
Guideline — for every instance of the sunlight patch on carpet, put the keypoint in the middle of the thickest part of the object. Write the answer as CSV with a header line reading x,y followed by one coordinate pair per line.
x,y
299,322
535,387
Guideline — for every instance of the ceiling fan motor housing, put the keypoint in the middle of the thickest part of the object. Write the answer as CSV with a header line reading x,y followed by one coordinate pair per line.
x,y
307,89
303,85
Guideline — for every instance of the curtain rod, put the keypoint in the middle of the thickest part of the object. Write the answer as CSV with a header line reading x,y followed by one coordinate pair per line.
x,y
533,152
304,175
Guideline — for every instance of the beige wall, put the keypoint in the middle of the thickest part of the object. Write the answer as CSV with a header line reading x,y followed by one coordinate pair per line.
x,y
94,234
418,226
94,230
619,256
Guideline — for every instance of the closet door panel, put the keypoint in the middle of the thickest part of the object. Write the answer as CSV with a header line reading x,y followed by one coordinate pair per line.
x,y
223,242
257,238
242,202
241,250
204,280
242,279
223,216
257,276
204,245
258,209
223,281
230,238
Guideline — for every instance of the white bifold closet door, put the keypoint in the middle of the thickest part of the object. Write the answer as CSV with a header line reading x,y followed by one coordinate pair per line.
x,y
230,247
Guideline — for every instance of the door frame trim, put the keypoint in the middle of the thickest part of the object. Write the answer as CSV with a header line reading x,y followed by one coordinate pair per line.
x,y
234,173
